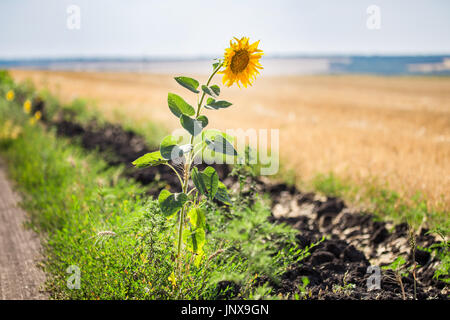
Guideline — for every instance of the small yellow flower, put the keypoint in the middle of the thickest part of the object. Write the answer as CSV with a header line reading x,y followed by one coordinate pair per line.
x,y
10,95
32,121
38,115
27,106
173,279
241,62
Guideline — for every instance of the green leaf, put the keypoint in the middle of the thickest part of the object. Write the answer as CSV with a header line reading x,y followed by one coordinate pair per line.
x,y
221,145
211,179
396,265
194,235
193,126
215,105
178,106
170,203
169,148
204,120
215,65
222,194
194,239
206,182
188,83
207,90
197,217
198,180
211,133
215,89
149,160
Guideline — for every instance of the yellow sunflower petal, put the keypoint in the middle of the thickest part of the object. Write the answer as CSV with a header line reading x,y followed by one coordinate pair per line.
x,y
241,62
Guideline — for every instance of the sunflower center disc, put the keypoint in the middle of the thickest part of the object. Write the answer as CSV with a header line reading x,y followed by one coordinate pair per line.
x,y
239,61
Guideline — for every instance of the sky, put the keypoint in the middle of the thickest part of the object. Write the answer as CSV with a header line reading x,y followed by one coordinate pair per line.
x,y
191,28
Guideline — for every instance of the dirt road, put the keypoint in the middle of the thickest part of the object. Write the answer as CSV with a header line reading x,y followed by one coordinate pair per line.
x,y
20,278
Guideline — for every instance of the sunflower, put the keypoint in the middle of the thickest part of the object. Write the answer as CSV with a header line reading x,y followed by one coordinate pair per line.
x,y
241,62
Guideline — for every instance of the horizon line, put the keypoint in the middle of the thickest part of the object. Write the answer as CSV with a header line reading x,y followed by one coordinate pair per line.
x,y
161,58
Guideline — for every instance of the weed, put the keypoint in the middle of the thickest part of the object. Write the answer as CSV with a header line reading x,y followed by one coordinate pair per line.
x,y
303,292
413,246
399,269
441,251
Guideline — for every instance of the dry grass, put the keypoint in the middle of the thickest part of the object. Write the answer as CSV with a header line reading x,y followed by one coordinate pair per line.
x,y
396,129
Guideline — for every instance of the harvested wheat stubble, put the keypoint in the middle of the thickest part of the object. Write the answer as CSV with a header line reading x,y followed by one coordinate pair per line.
x,y
20,249
355,241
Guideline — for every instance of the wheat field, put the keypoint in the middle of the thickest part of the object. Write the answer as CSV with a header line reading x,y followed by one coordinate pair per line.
x,y
393,129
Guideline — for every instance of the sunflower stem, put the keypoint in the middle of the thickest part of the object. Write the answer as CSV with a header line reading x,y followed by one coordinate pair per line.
x,y
186,177
203,95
